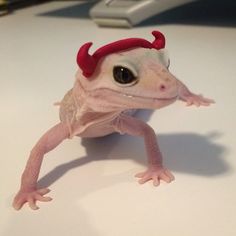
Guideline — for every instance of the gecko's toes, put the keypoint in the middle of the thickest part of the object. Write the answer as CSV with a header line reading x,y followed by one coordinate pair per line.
x,y
156,174
31,197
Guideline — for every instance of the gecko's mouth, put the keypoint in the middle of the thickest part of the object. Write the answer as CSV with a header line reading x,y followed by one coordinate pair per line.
x,y
138,98
151,98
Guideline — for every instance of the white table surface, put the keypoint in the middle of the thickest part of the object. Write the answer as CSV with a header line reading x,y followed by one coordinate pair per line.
x,y
93,186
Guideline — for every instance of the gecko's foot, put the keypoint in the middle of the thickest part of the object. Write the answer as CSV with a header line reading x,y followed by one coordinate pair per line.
x,y
155,173
197,100
31,197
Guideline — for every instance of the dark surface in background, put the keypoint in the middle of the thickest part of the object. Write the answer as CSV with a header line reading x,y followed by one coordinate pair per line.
x,y
205,12
76,11
12,5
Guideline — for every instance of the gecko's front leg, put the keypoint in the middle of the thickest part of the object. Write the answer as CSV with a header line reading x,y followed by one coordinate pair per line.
x,y
28,191
155,171
191,98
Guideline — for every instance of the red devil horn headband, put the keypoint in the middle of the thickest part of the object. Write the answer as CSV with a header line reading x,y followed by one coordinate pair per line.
x,y
88,63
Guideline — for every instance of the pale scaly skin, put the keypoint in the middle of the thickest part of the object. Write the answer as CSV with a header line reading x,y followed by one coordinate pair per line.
x,y
99,106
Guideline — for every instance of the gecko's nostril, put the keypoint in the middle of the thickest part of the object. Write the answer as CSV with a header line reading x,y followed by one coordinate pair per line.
x,y
162,87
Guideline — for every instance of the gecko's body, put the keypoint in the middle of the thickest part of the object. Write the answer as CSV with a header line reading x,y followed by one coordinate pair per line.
x,y
118,79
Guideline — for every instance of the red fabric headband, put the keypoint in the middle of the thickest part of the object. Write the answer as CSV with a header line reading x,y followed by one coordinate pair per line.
x,y
88,63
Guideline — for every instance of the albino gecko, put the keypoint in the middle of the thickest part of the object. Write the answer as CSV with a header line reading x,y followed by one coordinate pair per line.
x,y
118,78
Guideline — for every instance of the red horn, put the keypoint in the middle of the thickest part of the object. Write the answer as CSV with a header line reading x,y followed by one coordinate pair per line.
x,y
159,41
85,61
88,63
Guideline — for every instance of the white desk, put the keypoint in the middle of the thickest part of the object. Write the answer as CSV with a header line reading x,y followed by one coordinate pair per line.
x,y
101,197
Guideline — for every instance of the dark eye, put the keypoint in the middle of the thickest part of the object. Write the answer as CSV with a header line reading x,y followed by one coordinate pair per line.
x,y
124,75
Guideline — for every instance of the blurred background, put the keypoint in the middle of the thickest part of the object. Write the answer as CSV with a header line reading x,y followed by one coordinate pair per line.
x,y
93,186
128,13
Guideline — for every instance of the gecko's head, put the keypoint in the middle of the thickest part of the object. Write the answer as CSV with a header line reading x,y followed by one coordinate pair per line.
x,y
133,73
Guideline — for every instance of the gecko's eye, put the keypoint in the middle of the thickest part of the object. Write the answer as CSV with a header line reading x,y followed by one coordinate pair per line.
x,y
124,76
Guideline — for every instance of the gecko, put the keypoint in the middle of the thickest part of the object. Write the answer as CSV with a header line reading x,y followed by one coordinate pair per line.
x,y
110,85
